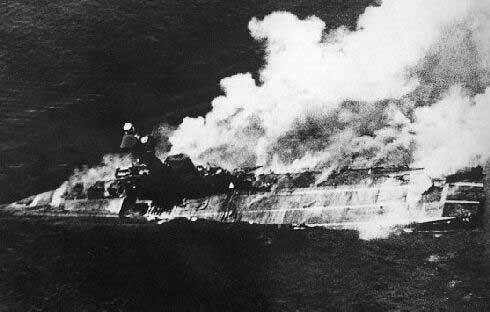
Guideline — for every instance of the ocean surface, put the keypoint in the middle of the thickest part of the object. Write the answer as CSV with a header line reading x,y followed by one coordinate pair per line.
x,y
49,264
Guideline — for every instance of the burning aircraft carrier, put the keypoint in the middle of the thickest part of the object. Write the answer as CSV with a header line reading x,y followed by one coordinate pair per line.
x,y
349,198
353,127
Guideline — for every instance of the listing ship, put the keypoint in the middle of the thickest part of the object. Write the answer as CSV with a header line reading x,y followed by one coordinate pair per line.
x,y
349,198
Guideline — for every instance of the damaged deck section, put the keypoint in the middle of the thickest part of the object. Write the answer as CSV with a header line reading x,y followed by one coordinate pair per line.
x,y
44,205
347,206
335,207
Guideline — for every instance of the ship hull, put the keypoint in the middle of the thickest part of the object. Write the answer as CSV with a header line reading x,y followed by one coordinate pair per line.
x,y
335,207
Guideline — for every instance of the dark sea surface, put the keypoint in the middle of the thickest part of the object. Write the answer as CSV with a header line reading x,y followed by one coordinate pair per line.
x,y
71,72
115,265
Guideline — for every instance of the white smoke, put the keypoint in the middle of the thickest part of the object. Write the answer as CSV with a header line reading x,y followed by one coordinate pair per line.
x,y
105,171
361,98
88,176
454,132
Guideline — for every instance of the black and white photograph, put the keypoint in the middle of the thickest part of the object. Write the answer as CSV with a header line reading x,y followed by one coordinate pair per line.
x,y
253,155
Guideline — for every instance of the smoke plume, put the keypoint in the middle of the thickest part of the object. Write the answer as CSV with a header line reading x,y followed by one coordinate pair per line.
x,y
408,86
87,177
